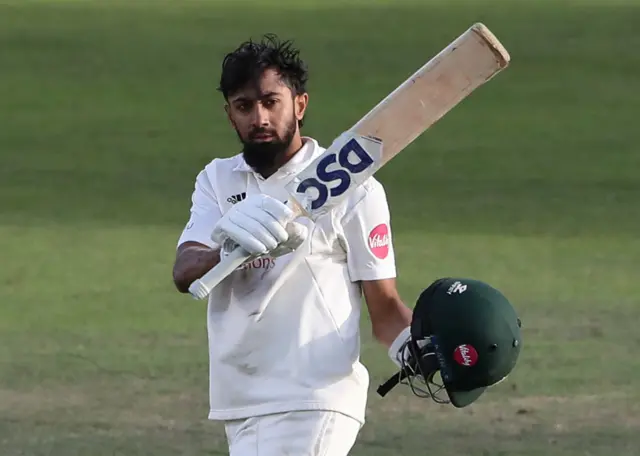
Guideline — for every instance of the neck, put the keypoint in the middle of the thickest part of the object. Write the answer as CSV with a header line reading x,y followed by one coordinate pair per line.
x,y
288,154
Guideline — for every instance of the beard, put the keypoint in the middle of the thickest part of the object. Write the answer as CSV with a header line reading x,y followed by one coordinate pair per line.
x,y
267,155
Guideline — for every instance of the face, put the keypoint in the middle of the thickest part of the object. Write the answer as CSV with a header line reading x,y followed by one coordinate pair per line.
x,y
265,117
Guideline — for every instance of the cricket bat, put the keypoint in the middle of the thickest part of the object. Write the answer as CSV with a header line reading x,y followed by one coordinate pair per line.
x,y
389,127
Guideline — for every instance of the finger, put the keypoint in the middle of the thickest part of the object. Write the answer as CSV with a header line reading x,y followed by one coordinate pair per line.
x,y
297,229
297,233
218,236
276,230
243,237
281,212
257,229
268,222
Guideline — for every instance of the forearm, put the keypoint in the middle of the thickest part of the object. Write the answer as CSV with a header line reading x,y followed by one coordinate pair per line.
x,y
387,325
192,262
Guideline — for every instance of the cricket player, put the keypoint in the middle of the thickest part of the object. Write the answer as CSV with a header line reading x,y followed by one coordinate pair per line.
x,y
284,337
284,328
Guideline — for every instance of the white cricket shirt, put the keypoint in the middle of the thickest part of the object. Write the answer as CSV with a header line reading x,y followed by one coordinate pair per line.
x,y
284,333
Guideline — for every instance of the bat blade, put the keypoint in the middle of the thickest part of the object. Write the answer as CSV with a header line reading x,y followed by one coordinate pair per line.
x,y
467,63
433,90
396,121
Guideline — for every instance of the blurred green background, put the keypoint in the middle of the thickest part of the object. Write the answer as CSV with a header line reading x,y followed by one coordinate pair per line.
x,y
108,110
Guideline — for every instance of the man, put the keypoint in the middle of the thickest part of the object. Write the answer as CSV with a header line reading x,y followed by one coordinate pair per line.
x,y
285,374
284,339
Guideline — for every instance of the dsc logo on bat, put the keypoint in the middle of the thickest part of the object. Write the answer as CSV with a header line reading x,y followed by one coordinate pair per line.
x,y
333,173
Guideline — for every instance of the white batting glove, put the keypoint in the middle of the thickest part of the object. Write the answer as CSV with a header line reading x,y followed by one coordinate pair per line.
x,y
297,235
259,224
399,351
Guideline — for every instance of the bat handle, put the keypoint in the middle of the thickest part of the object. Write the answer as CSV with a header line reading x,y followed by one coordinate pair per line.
x,y
201,288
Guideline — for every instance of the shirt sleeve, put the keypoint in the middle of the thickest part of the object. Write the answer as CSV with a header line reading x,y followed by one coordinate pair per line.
x,y
366,231
205,213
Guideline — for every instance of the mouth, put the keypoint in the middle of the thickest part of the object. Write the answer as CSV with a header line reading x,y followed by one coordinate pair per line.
x,y
262,136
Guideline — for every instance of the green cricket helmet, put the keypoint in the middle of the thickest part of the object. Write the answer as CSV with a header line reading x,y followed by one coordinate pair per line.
x,y
467,333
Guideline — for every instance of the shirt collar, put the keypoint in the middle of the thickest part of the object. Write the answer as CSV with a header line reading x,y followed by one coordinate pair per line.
x,y
307,151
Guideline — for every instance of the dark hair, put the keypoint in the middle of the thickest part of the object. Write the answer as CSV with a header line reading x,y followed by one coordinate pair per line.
x,y
247,63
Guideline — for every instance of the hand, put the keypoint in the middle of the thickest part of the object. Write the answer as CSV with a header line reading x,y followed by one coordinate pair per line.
x,y
260,224
399,350
401,353
297,235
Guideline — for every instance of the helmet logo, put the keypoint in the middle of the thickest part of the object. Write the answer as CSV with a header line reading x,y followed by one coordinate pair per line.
x,y
465,355
457,287
379,241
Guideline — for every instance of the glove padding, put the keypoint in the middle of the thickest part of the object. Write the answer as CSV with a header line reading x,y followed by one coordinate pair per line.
x,y
399,351
261,225
297,234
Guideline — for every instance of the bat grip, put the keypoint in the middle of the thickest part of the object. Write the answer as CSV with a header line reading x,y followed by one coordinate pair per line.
x,y
201,288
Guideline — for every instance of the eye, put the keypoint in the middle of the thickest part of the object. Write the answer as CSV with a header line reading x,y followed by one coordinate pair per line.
x,y
270,102
242,106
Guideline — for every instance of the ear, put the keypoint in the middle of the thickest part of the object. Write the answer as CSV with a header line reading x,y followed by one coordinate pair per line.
x,y
300,104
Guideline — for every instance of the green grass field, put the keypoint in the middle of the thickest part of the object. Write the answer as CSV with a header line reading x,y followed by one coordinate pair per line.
x,y
108,110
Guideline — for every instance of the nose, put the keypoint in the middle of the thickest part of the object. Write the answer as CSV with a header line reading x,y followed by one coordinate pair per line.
x,y
260,116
